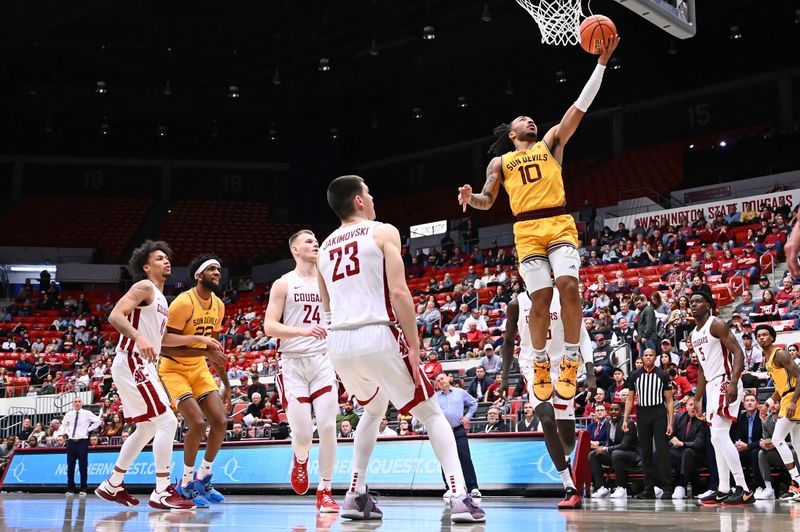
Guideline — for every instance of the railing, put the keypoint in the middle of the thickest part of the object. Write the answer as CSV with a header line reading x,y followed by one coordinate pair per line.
x,y
768,259
12,422
740,283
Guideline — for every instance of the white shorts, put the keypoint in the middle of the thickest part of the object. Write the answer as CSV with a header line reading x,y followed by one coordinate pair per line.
x,y
375,357
142,395
564,408
563,260
720,413
303,379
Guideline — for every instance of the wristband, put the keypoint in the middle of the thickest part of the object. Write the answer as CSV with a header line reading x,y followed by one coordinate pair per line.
x,y
590,90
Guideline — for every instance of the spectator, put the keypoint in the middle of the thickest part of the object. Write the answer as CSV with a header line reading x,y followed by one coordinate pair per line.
x,y
613,393
746,434
786,293
38,432
623,334
404,428
237,432
603,368
666,349
768,456
747,263
625,313
476,318
459,408
680,384
345,430
747,306
384,430
479,384
767,309
529,422
26,430
347,415
598,400
646,327
774,240
699,285
598,429
256,387
461,317
491,362
754,370
681,320
432,367
621,453
687,449
727,265
692,369
494,421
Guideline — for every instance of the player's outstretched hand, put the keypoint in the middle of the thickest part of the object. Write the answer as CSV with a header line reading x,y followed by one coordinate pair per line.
x,y
606,51
146,349
317,331
464,195
211,343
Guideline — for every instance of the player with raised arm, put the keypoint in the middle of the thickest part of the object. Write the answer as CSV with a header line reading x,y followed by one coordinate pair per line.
x,y
545,234
785,374
188,381
306,375
141,319
721,364
556,415
364,295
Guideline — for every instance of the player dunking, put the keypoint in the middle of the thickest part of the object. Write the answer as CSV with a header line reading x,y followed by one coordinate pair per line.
x,y
784,372
188,381
306,376
544,234
557,415
364,292
141,319
721,364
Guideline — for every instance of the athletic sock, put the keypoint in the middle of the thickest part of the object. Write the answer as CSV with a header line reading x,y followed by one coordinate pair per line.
x,y
188,475
572,353
566,478
116,478
162,483
205,469
358,484
540,356
795,474
324,484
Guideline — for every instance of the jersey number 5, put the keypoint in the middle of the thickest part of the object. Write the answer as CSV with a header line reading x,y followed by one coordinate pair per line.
x,y
352,267
525,173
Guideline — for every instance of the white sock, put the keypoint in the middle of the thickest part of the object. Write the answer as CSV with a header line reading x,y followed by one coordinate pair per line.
x,y
572,352
188,475
566,478
116,478
767,485
540,356
364,441
324,484
440,434
162,483
358,482
205,469
131,448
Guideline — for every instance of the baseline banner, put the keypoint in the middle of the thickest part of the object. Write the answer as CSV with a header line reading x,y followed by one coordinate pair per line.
x,y
717,208
500,462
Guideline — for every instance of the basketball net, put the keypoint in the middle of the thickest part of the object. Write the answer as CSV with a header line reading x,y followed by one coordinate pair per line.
x,y
558,20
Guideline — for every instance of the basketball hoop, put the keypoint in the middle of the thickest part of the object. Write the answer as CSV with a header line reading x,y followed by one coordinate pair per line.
x,y
558,20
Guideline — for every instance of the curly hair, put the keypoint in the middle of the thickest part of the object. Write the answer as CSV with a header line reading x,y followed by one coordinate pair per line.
x,y
141,255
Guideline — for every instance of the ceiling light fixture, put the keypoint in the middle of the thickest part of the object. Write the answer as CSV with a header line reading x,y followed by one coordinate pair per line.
x,y
486,15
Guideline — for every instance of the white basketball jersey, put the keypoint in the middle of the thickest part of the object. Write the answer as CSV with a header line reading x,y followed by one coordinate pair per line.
x,y
555,345
352,266
714,357
302,309
150,320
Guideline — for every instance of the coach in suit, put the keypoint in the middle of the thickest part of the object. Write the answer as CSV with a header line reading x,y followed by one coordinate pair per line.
x,y
622,452
77,425
687,448
746,433
598,429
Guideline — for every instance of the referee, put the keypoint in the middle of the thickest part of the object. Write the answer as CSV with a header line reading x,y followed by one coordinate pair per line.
x,y
453,400
654,422
77,425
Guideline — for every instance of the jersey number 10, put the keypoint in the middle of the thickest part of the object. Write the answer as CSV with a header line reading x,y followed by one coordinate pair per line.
x,y
525,173
352,267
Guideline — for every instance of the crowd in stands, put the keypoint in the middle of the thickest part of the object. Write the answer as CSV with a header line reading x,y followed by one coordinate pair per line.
x,y
635,289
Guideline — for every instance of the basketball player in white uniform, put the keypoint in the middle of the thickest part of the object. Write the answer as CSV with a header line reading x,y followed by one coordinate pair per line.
x,y
557,415
721,364
306,376
364,294
141,319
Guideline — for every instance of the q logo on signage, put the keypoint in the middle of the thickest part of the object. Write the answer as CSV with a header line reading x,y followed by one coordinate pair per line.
x,y
18,471
548,470
231,467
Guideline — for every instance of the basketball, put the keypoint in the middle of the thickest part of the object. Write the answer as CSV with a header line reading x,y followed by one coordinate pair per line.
x,y
595,31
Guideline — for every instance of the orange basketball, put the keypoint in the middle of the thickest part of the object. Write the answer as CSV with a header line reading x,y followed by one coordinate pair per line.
x,y
595,31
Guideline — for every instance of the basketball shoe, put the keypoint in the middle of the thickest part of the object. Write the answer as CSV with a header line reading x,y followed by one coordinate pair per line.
x,y
300,477
115,494
360,506
169,500
542,383
567,383
572,500
325,502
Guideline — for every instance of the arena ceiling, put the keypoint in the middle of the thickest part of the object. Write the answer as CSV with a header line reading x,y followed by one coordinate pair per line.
x,y
54,53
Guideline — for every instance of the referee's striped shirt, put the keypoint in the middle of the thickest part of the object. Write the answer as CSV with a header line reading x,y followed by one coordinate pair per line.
x,y
649,386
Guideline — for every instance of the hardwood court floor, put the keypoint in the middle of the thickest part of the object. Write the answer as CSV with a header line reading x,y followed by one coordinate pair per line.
x,y
29,512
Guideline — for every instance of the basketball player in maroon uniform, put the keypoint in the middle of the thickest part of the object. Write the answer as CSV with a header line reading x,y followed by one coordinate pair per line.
x,y
364,296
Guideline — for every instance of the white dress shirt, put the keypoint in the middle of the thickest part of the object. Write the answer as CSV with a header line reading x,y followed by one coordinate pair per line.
x,y
86,423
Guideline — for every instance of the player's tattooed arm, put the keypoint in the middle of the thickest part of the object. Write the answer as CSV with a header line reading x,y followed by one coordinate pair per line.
x,y
488,194
140,293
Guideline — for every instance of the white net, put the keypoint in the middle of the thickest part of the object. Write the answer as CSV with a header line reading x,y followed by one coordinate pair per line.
x,y
558,20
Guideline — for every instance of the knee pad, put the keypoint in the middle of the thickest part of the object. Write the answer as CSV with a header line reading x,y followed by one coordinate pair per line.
x,y
166,421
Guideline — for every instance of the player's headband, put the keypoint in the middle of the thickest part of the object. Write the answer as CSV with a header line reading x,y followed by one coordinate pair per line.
x,y
206,264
